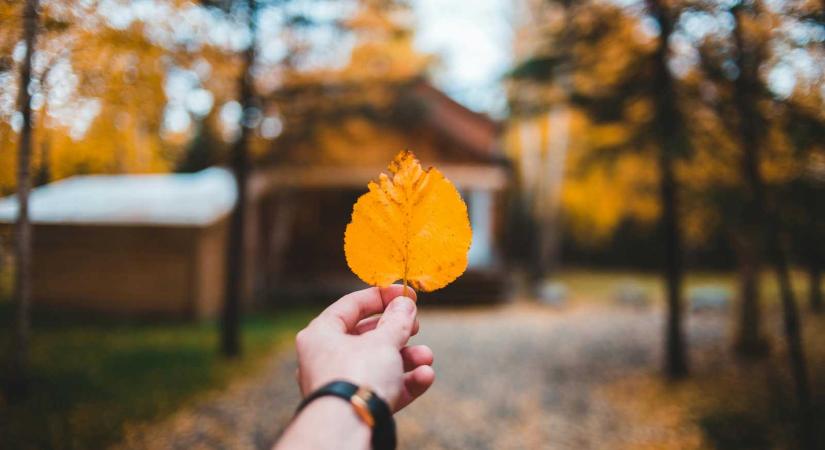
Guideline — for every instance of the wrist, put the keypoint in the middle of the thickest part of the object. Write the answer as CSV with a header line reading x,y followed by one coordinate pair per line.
x,y
346,425
370,409
327,423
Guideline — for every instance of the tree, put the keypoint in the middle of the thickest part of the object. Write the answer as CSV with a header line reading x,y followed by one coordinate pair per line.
x,y
748,84
239,162
727,191
744,110
806,194
205,149
88,116
673,144
630,100
18,374
805,125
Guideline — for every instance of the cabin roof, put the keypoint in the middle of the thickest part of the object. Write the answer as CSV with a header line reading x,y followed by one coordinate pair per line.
x,y
473,131
196,199
413,112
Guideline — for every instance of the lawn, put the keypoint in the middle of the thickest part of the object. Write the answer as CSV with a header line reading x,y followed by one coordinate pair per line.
x,y
92,378
588,286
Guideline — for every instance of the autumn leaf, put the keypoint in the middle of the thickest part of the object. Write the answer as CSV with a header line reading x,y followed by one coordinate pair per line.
x,y
412,227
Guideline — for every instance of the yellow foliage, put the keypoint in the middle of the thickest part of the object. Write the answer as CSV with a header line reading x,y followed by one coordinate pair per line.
x,y
598,191
123,73
8,158
596,201
412,227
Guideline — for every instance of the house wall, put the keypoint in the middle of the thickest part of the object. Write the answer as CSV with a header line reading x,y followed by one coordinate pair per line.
x,y
316,242
209,277
129,270
310,265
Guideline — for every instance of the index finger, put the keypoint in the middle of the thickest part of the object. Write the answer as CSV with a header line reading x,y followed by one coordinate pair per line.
x,y
345,314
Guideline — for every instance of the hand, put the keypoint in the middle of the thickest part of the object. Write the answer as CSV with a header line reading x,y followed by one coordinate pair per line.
x,y
348,342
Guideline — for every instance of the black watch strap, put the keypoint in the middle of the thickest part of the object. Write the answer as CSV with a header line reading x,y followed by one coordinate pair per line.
x,y
383,426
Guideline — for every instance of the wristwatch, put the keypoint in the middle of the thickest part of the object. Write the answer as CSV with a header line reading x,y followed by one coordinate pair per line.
x,y
367,405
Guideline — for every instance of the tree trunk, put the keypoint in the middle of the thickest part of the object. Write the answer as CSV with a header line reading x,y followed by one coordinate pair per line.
x,y
814,247
815,286
671,138
44,172
18,373
239,157
675,357
793,335
749,340
750,127
548,192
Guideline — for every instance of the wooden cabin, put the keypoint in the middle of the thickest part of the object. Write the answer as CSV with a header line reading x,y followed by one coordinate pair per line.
x,y
137,245
305,192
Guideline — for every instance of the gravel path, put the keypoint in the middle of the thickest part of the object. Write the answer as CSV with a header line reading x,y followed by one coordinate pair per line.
x,y
513,377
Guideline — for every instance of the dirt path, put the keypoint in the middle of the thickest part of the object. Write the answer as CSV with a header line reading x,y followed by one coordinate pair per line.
x,y
514,377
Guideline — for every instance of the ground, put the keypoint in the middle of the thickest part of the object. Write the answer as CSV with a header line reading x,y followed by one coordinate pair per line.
x,y
581,374
519,376
94,376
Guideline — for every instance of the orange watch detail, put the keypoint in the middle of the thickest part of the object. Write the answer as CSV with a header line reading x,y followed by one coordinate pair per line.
x,y
359,402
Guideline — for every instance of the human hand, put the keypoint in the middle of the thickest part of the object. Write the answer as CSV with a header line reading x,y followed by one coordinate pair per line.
x,y
348,342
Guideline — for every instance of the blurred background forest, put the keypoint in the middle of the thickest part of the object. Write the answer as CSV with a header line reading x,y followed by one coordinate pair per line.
x,y
177,176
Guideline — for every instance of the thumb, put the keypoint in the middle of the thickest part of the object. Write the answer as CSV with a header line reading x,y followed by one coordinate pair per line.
x,y
397,321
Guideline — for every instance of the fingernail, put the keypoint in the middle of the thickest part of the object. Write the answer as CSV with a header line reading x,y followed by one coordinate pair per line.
x,y
402,304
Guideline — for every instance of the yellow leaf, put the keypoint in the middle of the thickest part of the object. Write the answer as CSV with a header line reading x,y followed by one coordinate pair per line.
x,y
411,227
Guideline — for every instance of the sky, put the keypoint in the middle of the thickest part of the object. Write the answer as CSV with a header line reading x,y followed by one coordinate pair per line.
x,y
472,40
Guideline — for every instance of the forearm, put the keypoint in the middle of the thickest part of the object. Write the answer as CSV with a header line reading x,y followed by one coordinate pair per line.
x,y
326,423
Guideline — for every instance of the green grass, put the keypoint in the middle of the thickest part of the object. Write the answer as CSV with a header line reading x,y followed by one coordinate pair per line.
x,y
602,285
93,377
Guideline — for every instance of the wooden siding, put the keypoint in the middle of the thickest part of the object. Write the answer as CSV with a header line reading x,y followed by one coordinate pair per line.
x,y
130,270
